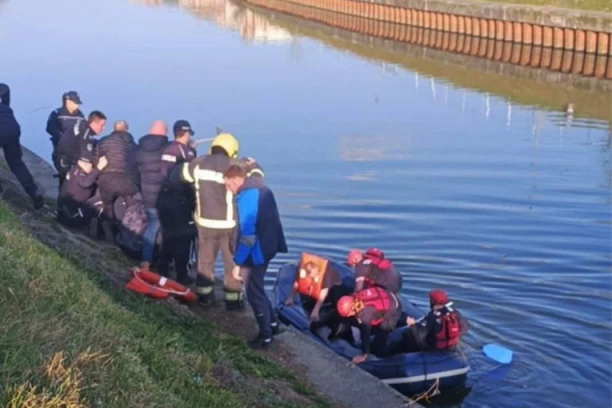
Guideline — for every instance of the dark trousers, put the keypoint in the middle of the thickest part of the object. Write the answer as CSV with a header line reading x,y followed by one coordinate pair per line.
x,y
256,295
13,155
210,241
62,164
112,186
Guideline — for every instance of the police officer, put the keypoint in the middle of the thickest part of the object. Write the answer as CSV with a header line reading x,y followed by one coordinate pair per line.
x,y
10,132
176,203
76,203
77,144
115,179
215,218
65,118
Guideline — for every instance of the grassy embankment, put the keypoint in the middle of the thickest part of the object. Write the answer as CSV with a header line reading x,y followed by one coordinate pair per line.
x,y
70,338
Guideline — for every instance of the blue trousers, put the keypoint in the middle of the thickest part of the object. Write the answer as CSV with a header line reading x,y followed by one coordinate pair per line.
x,y
259,301
150,234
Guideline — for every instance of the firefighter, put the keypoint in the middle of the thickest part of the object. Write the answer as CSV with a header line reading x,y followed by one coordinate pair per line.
x,y
215,219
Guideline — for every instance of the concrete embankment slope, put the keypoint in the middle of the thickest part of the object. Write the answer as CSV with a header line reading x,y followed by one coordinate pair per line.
x,y
580,31
332,376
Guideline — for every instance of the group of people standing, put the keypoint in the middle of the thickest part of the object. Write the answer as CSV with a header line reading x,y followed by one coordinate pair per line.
x,y
173,202
176,204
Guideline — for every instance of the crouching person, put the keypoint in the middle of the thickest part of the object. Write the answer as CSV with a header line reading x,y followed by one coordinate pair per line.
x,y
259,237
374,311
76,204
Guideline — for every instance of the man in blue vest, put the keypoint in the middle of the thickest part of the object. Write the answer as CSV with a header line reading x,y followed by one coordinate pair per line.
x,y
259,237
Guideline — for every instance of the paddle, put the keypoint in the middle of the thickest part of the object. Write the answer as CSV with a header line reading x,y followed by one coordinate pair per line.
x,y
498,353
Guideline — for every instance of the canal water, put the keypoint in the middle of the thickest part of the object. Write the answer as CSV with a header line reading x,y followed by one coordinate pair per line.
x,y
505,205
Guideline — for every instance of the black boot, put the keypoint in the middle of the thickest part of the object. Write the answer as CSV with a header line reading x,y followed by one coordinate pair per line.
x,y
233,301
277,329
260,343
38,202
206,299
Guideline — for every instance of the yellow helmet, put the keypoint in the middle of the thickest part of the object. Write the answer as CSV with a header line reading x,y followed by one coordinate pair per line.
x,y
227,142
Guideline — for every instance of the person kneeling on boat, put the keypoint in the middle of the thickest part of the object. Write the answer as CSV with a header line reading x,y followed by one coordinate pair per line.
x,y
374,311
320,285
440,330
373,269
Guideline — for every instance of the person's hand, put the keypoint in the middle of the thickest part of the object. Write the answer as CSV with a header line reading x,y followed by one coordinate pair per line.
x,y
360,358
289,301
102,163
85,166
236,273
410,321
314,316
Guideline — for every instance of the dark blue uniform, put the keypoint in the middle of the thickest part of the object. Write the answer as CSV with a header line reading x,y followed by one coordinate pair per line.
x,y
77,204
259,238
10,132
176,204
60,121
75,144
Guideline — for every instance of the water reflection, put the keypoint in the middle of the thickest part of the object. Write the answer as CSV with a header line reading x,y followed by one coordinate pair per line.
x,y
252,27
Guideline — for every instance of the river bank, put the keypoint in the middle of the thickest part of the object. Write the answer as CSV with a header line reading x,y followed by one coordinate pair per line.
x,y
563,29
103,343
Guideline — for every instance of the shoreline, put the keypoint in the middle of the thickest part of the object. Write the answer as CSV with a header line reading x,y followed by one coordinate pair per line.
x,y
558,29
330,375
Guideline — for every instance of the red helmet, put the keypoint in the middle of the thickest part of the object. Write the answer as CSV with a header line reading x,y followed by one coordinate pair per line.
x,y
375,255
354,257
346,306
438,297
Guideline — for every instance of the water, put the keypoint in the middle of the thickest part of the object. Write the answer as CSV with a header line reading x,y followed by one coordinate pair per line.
x,y
506,206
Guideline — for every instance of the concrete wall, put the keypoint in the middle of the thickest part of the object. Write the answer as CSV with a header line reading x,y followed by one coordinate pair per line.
x,y
560,29
563,61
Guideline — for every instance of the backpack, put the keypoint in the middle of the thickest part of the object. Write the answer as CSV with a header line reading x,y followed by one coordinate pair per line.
x,y
132,226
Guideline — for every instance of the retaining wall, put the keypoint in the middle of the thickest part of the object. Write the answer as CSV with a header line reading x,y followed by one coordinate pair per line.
x,y
556,29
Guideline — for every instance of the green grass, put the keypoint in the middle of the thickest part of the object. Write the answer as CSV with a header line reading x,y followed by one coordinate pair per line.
x,y
70,338
590,5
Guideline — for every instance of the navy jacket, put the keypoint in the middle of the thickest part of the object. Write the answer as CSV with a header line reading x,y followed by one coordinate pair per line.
x,y
77,143
9,127
147,157
175,154
259,231
61,121
118,148
78,185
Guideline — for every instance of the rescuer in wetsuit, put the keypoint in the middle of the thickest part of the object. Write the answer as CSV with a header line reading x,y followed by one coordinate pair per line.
x,y
440,330
374,311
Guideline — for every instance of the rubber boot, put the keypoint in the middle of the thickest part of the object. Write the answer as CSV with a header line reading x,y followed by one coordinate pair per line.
x,y
206,299
233,301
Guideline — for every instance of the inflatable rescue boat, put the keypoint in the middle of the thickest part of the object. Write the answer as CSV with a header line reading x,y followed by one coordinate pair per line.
x,y
408,373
